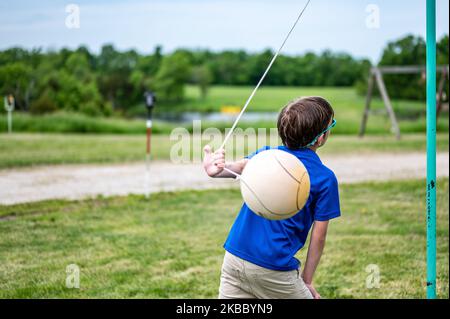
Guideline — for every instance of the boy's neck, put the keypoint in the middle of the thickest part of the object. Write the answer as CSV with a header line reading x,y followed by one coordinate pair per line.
x,y
314,148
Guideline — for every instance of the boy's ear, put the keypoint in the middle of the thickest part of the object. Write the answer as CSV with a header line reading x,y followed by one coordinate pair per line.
x,y
321,140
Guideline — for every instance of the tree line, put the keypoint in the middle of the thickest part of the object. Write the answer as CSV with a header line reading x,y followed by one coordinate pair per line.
x,y
112,81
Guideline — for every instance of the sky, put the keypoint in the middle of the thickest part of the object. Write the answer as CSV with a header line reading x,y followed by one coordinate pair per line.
x,y
339,25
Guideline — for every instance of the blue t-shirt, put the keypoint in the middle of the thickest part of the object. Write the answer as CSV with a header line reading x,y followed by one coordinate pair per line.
x,y
273,244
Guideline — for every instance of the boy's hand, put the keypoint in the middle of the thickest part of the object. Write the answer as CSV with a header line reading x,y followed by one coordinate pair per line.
x,y
316,245
313,291
213,162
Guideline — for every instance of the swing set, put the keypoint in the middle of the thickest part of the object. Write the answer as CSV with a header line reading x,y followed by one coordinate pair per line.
x,y
376,77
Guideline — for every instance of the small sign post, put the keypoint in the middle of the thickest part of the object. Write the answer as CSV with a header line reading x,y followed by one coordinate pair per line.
x,y
9,107
150,100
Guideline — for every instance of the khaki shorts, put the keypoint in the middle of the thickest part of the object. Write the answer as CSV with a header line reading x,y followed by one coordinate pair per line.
x,y
241,279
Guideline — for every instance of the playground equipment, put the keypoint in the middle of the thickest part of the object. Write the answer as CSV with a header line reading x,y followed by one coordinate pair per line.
x,y
275,167
431,149
376,77
230,109
9,107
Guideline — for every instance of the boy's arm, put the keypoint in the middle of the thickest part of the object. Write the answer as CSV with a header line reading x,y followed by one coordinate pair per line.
x,y
214,163
236,167
316,245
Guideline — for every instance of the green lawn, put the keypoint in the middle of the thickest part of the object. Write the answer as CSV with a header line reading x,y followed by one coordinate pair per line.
x,y
347,104
39,149
170,246
345,100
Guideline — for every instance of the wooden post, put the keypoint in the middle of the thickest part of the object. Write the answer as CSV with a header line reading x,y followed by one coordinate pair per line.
x,y
387,102
362,129
377,74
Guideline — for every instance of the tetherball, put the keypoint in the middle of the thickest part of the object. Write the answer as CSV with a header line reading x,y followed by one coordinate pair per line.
x,y
275,184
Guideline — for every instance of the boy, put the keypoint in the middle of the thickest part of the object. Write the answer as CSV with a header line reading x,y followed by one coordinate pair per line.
x,y
259,260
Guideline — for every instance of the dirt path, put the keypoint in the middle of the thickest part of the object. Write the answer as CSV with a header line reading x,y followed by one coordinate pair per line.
x,y
81,181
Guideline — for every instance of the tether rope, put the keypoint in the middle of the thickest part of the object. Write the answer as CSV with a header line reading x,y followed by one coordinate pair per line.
x,y
263,76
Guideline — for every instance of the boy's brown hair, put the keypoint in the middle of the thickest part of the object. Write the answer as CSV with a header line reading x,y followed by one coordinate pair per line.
x,y
301,120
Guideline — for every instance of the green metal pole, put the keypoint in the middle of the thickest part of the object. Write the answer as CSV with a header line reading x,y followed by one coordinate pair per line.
x,y
431,149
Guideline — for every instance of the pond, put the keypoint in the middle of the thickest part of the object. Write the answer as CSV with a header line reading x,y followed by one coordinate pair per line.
x,y
216,117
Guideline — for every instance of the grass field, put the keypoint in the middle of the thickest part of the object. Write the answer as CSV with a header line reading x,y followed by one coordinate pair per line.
x,y
171,245
62,122
40,149
345,100
347,104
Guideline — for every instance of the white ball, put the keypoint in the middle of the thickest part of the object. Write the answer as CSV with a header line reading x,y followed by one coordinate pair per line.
x,y
275,184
